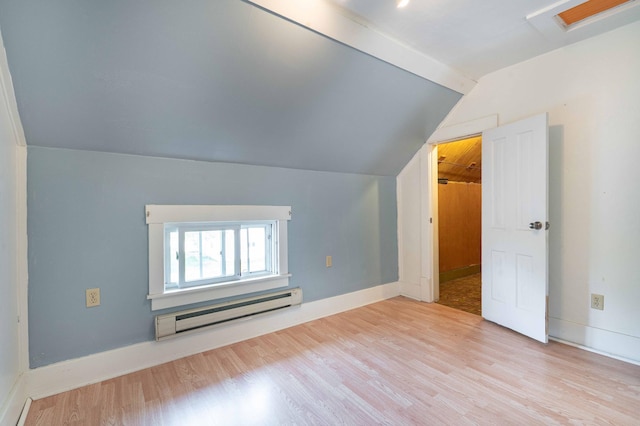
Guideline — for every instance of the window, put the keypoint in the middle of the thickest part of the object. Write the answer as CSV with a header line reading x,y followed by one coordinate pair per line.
x,y
199,253
206,253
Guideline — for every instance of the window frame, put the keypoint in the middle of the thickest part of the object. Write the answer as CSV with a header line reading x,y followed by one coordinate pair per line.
x,y
270,247
270,260
159,217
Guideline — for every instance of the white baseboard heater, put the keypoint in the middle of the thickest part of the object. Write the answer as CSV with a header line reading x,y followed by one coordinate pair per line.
x,y
170,325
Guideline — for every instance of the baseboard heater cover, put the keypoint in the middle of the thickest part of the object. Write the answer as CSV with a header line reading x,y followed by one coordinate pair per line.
x,y
176,323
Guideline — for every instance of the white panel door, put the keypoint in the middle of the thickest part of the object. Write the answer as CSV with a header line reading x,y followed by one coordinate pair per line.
x,y
514,247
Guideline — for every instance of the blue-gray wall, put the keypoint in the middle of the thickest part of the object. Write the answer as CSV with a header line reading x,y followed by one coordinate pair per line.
x,y
87,229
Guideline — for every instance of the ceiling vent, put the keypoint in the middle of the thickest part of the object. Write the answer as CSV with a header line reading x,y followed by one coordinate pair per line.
x,y
589,9
568,21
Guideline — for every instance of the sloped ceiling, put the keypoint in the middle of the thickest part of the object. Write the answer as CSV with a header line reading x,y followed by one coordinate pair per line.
x,y
217,80
478,37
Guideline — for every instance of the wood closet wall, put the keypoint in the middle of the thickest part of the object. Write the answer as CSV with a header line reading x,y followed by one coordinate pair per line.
x,y
459,216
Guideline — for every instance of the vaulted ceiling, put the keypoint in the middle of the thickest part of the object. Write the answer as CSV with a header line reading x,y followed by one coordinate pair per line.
x,y
211,80
249,82
478,37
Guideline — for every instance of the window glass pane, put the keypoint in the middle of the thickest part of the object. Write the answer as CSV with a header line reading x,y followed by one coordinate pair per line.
x,y
253,249
174,263
192,261
203,255
211,254
257,249
244,252
230,253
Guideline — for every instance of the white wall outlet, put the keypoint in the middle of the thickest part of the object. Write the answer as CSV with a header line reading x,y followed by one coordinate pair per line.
x,y
597,301
93,297
329,262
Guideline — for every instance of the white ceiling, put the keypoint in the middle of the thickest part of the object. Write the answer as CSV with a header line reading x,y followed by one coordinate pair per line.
x,y
476,37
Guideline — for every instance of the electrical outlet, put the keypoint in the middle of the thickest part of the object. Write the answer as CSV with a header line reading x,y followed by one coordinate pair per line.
x,y
329,262
597,301
93,297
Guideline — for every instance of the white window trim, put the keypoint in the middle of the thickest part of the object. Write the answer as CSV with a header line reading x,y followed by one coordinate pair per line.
x,y
158,215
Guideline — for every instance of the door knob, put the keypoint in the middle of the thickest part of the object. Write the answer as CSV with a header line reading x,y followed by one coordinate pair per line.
x,y
535,225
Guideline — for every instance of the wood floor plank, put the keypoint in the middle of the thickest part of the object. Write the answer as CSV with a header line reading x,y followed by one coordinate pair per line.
x,y
397,362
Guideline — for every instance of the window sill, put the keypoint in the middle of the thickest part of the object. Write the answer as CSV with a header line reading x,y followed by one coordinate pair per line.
x,y
180,297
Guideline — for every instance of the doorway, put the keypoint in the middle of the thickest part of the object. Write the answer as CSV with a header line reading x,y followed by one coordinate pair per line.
x,y
459,224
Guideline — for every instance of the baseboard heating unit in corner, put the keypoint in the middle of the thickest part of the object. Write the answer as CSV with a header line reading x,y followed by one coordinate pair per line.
x,y
170,325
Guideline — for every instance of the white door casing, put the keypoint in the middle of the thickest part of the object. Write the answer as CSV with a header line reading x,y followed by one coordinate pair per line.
x,y
514,256
429,187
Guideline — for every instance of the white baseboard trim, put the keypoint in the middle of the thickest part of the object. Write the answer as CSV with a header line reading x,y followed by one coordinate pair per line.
x,y
11,408
411,290
604,342
71,374
25,412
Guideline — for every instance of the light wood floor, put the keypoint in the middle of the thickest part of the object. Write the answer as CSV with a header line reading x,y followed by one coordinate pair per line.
x,y
397,362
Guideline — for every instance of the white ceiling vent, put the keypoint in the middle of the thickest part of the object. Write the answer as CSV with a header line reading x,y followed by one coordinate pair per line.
x,y
590,10
573,20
